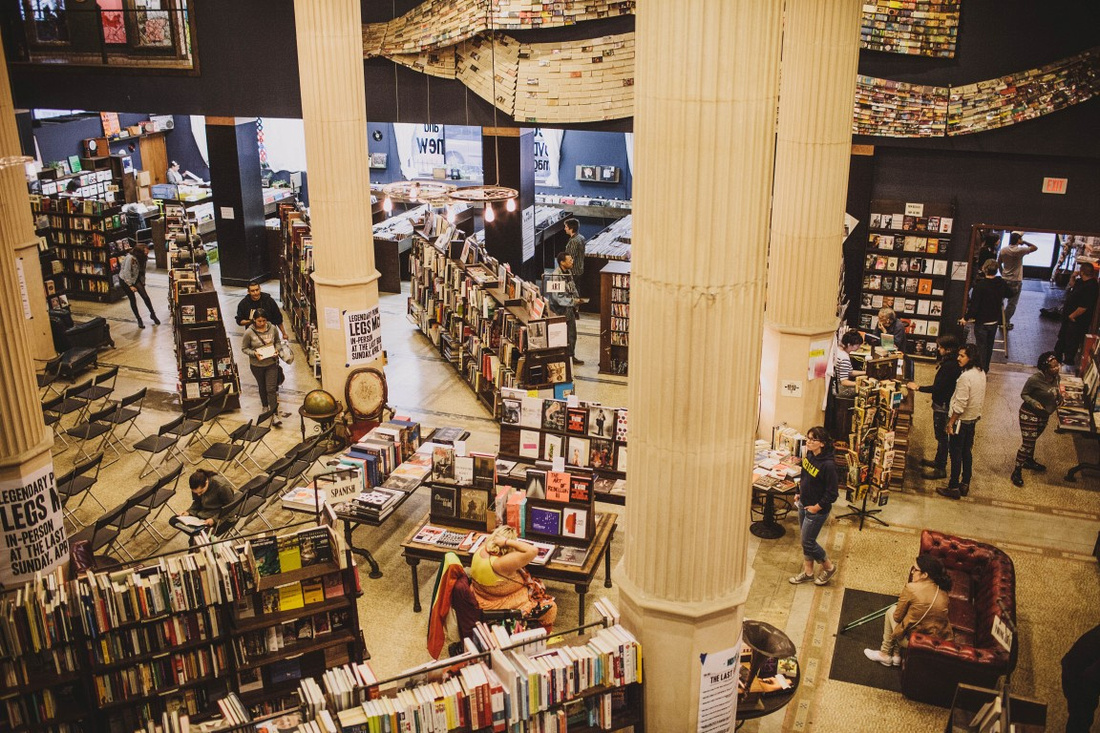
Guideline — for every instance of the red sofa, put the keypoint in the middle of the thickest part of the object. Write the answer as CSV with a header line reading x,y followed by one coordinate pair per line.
x,y
983,586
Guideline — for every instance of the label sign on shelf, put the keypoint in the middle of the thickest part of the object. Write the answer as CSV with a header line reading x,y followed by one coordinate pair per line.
x,y
1055,185
914,209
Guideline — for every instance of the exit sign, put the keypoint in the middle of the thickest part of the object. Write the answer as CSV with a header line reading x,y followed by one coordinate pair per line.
x,y
1055,185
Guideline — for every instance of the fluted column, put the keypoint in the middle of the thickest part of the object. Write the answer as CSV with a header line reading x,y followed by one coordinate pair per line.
x,y
26,467
334,111
705,102
813,149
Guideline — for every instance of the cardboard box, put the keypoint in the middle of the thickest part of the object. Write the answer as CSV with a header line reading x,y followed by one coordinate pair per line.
x,y
144,178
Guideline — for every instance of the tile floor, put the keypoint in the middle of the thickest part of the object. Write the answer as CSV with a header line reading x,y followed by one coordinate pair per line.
x,y
1048,526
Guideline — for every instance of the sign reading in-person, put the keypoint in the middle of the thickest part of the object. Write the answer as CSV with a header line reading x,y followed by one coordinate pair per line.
x,y
32,524
363,330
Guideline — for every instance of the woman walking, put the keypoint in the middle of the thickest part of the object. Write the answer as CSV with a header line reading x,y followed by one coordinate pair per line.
x,y
1041,398
261,343
964,412
817,490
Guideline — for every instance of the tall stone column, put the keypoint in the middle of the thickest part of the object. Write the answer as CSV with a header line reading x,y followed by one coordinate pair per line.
x,y
334,110
28,501
813,149
706,80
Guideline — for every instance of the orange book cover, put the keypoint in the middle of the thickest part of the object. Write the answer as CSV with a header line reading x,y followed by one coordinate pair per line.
x,y
557,486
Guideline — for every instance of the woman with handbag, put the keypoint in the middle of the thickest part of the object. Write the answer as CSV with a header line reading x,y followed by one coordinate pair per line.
x,y
1041,397
499,580
262,343
922,606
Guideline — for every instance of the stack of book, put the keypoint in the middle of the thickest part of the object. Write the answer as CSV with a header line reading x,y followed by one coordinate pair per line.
x,y
374,505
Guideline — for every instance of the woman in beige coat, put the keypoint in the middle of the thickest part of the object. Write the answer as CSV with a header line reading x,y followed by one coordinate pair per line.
x,y
922,606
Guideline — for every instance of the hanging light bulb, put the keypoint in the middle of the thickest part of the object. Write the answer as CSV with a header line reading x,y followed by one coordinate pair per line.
x,y
451,216
489,215
387,204
511,205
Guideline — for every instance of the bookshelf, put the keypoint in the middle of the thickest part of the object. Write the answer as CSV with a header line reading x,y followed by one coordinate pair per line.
x,y
491,326
983,710
907,267
53,277
874,454
204,354
615,318
295,277
90,240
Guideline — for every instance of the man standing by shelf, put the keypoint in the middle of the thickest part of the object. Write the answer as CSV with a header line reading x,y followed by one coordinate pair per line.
x,y
561,292
1011,262
575,246
259,300
1077,314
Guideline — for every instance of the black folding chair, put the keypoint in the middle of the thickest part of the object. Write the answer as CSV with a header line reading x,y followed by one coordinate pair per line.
x,y
100,388
52,417
103,533
229,453
76,483
94,435
225,525
189,428
72,403
134,517
254,438
255,499
130,408
51,372
211,419
163,444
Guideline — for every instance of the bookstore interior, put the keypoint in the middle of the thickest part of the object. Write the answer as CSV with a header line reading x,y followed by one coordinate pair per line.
x,y
230,538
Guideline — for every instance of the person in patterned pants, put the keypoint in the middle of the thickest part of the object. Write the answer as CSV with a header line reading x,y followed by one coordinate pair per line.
x,y
1041,398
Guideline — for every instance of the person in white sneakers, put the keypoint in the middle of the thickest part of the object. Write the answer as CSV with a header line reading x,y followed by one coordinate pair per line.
x,y
817,490
922,606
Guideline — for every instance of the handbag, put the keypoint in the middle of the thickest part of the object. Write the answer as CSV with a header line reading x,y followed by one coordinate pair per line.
x,y
286,353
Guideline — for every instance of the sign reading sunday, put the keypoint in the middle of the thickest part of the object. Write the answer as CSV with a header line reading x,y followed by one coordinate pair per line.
x,y
32,525
363,335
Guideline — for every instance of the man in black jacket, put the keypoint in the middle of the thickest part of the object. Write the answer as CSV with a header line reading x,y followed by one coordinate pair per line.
x,y
1077,312
257,300
985,309
947,373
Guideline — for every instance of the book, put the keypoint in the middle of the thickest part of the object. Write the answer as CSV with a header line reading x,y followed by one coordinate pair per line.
x,y
443,463
265,551
313,591
304,498
600,455
509,411
544,520
576,420
553,415
290,596
569,555
553,446
531,412
557,486
580,487
443,502
577,452
601,422
574,523
464,470
536,484
473,504
290,554
529,443
316,546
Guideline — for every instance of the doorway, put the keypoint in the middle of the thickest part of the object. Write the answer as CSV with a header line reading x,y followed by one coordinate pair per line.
x,y
1046,273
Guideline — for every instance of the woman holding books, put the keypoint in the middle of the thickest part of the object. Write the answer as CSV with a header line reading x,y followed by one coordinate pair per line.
x,y
817,490
499,580
922,606
963,414
1041,396
261,343
942,387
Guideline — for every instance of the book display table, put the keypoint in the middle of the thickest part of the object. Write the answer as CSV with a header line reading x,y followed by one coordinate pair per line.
x,y
579,576
1078,411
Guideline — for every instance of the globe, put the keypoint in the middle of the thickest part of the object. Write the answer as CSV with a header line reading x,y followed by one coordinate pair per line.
x,y
319,404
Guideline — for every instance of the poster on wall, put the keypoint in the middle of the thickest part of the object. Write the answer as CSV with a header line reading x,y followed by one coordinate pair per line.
x,y
547,151
719,674
421,147
32,523
528,233
363,334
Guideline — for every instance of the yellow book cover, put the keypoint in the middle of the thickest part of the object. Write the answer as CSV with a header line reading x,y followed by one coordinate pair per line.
x,y
313,591
290,554
290,596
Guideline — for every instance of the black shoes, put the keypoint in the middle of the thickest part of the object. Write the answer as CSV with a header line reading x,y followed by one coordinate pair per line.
x,y
1033,465
950,492
935,473
154,319
1018,477
964,489
141,323
927,463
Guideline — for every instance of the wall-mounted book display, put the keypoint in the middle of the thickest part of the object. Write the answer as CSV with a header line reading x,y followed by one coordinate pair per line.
x,y
907,267
597,173
871,456
912,27
90,239
491,325
898,109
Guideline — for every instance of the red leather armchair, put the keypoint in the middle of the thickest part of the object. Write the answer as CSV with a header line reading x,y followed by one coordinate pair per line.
x,y
983,586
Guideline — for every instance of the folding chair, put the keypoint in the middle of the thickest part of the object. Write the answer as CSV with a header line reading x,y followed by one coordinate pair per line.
x,y
94,435
311,455
158,499
254,438
162,444
52,417
98,390
189,428
72,402
272,491
130,408
254,499
225,525
103,533
211,418
134,517
75,483
230,453
51,372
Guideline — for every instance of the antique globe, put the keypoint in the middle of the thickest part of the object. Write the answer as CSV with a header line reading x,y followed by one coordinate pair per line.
x,y
319,405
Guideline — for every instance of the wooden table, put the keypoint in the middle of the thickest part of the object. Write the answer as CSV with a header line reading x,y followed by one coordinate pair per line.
x,y
581,577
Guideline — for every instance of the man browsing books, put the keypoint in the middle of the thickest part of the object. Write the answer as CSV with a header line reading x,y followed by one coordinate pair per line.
x,y
564,301
259,300
210,493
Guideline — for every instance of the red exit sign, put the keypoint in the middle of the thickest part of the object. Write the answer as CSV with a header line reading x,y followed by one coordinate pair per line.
x,y
1055,185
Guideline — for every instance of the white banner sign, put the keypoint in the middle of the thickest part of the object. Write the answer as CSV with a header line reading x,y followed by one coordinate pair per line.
x,y
363,331
32,522
719,675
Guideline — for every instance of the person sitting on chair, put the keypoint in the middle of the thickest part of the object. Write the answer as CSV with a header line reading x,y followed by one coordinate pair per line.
x,y
210,493
922,606
499,580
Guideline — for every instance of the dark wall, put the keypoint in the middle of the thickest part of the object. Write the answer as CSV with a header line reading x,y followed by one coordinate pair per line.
x,y
59,138
592,148
183,149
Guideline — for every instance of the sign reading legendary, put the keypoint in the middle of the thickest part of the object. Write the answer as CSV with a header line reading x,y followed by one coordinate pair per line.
x,y
32,524
363,332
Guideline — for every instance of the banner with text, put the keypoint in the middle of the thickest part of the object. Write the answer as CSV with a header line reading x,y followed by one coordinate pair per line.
x,y
363,330
32,523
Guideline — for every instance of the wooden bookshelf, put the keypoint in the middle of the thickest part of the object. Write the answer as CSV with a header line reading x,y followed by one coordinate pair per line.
x,y
90,239
480,318
908,268
204,354
615,317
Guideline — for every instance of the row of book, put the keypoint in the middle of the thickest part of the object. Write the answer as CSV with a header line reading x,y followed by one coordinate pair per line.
x,y
908,243
296,594
87,207
305,548
916,265
35,617
912,27
870,455
161,674
42,707
562,416
254,646
157,636
912,223
340,688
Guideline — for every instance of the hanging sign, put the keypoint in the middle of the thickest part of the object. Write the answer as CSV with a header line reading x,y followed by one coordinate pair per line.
x,y
33,527
363,333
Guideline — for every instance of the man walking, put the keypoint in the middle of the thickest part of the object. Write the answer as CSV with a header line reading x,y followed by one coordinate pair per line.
x,y
257,300
564,299
132,274
1077,312
1011,262
575,246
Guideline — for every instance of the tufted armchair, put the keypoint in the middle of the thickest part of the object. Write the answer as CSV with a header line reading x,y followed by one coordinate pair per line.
x,y
983,586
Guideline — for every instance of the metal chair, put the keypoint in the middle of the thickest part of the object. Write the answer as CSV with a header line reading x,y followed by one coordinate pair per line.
x,y
103,533
254,438
255,492
225,525
134,517
130,408
72,402
158,499
52,417
162,444
76,483
93,435
51,372
230,453
211,418
189,428
98,391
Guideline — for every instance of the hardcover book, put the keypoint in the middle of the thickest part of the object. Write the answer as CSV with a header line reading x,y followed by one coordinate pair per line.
x,y
621,421
509,411
443,501
557,486
265,550
545,521
577,453
553,446
580,487
601,422
316,546
576,420
536,484
600,455
529,443
473,504
574,523
553,415
443,463
290,554
530,415
464,470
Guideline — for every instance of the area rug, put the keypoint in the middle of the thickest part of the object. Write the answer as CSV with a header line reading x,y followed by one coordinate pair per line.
x,y
849,663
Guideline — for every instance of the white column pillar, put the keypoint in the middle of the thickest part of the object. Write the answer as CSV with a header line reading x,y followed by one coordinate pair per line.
x,y
334,111
704,137
813,149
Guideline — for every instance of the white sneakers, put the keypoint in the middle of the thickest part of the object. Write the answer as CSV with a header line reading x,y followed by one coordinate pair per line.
x,y
876,656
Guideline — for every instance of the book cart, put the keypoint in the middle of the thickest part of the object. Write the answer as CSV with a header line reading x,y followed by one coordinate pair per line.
x,y
908,268
590,679
173,633
615,317
490,325
204,354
